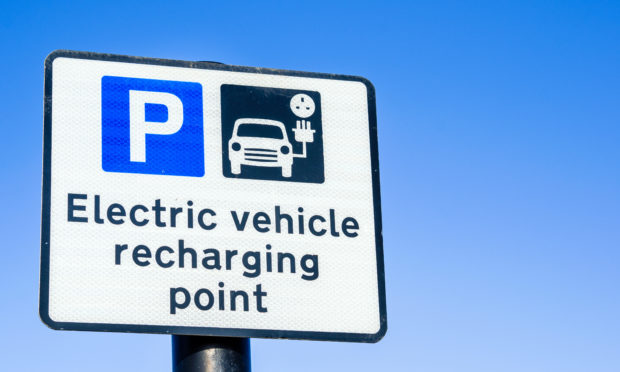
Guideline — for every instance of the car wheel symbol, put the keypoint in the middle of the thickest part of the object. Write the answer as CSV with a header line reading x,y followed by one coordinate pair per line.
x,y
287,171
235,168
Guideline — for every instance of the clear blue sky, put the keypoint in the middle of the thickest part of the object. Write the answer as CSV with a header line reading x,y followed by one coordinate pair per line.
x,y
499,139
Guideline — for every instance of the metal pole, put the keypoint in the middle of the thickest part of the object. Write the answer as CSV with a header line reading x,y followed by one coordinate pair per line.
x,y
210,354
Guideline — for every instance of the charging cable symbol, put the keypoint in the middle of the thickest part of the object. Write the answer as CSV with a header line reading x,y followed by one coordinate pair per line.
x,y
303,107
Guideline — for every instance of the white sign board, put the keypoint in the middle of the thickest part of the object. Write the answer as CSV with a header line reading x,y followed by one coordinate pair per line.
x,y
206,199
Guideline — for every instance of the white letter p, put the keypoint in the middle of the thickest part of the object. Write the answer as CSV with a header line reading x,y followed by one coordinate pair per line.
x,y
139,127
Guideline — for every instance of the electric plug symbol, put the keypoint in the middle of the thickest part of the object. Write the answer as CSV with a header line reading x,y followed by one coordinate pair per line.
x,y
303,107
304,132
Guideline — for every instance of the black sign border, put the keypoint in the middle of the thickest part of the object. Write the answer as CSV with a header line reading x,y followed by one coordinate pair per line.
x,y
201,331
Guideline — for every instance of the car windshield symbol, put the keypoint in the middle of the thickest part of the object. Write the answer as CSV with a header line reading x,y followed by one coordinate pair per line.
x,y
260,131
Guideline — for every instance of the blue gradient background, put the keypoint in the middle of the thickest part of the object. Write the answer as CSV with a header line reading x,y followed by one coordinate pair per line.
x,y
499,132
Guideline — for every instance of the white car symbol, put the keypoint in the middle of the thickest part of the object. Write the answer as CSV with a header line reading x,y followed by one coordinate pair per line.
x,y
260,143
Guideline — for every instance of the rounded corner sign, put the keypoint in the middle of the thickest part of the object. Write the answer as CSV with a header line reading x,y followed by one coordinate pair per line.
x,y
205,199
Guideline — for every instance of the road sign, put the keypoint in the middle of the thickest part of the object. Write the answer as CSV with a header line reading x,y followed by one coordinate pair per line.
x,y
196,198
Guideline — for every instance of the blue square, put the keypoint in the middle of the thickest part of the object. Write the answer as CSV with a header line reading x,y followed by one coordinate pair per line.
x,y
164,124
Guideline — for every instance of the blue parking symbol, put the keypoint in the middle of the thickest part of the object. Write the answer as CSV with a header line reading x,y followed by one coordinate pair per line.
x,y
152,126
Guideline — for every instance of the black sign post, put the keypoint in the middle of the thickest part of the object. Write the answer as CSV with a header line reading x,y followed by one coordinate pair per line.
x,y
210,354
